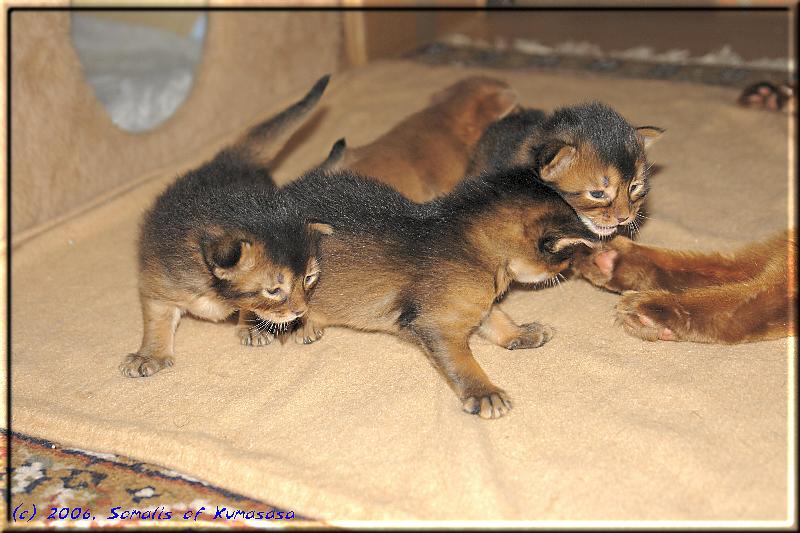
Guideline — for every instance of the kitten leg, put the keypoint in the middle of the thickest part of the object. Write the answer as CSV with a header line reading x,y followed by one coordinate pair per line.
x,y
499,329
452,357
251,330
160,321
728,314
309,331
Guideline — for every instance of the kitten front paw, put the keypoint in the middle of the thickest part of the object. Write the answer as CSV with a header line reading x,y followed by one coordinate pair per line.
x,y
487,404
138,366
531,335
308,333
653,315
252,336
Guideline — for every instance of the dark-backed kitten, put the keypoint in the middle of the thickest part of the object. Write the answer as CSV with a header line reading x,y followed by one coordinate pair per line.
x,y
218,240
588,153
430,273
749,295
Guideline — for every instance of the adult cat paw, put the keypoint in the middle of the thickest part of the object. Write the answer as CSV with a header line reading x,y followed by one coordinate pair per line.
x,y
653,315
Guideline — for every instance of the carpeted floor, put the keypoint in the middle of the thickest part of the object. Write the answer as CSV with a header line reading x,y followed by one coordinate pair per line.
x,y
71,486
359,426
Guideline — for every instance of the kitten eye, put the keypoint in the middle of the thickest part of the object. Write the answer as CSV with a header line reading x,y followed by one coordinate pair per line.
x,y
310,279
274,293
635,187
597,194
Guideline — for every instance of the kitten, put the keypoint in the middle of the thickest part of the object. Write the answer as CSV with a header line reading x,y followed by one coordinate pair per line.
x,y
426,154
430,273
746,296
588,153
218,240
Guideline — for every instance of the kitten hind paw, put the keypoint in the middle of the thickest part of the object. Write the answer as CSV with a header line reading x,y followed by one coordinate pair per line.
x,y
531,335
138,366
488,405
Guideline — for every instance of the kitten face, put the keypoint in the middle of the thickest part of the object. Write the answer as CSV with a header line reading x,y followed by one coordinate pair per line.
x,y
248,277
605,194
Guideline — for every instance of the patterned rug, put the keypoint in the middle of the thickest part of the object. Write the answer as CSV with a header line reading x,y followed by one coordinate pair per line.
x,y
51,485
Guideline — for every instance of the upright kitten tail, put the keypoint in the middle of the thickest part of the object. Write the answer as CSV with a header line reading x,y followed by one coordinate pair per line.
x,y
335,156
263,141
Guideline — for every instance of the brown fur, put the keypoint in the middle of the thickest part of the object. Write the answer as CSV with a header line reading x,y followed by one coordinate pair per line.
x,y
746,296
426,154
431,273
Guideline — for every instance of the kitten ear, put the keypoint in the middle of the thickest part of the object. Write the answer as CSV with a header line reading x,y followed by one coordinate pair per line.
x,y
499,104
227,256
555,159
325,229
554,243
560,244
649,135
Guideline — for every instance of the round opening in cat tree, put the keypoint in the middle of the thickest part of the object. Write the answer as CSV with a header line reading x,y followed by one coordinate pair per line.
x,y
140,64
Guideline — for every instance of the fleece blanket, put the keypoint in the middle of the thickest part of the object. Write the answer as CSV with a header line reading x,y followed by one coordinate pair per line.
x,y
360,426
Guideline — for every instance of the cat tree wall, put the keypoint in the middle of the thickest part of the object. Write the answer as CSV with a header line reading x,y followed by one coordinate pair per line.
x,y
66,152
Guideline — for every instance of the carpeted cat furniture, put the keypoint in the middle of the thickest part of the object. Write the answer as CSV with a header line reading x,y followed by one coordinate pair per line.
x,y
359,426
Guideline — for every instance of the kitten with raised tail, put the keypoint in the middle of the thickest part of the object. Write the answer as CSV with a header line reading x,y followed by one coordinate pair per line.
x,y
218,240
430,273
746,296
588,153
427,153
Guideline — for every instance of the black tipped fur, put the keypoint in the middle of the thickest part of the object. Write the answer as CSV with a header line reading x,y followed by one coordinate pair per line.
x,y
335,155
359,206
262,142
594,123
235,193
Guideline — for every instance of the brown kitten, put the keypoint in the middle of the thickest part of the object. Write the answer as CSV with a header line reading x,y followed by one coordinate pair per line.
x,y
746,296
426,154
430,273
218,240
588,153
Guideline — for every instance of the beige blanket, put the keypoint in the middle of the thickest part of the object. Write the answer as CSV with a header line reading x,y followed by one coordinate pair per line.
x,y
360,426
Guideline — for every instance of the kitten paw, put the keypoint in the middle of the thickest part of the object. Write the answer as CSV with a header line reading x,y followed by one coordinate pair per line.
x,y
138,366
531,335
652,316
251,336
308,333
487,405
